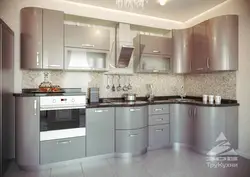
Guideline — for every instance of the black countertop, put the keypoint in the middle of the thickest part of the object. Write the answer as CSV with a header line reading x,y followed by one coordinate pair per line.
x,y
47,94
142,101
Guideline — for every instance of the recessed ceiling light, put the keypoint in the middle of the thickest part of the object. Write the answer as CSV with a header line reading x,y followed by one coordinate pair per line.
x,y
163,2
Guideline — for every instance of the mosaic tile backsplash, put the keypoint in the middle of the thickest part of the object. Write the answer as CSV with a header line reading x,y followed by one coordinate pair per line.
x,y
223,84
162,84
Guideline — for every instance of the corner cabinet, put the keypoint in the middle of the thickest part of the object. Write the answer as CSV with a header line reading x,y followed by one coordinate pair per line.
x,y
210,46
41,38
182,50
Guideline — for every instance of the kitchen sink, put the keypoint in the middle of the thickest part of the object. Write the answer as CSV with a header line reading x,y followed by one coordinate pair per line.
x,y
182,100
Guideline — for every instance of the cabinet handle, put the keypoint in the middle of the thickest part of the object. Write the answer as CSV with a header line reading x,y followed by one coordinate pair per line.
x,y
155,71
159,130
159,119
208,62
54,65
159,109
198,69
156,51
194,112
134,109
37,58
64,142
133,135
88,45
101,110
35,107
190,112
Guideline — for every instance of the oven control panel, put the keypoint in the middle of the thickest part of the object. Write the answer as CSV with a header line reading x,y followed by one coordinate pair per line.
x,y
57,101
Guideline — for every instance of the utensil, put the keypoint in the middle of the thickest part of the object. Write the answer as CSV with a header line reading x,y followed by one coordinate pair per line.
x,y
119,87
129,85
125,88
107,87
113,86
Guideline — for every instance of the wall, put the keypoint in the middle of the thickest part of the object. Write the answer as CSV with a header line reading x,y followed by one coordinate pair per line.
x,y
242,8
223,84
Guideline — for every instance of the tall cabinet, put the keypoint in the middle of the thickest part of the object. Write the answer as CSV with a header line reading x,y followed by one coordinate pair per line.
x,y
42,42
6,92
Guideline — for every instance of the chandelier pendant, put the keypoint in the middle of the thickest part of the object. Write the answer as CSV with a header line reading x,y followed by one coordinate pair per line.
x,y
131,3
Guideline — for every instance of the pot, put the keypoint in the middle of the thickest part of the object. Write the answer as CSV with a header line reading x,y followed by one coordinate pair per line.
x,y
130,97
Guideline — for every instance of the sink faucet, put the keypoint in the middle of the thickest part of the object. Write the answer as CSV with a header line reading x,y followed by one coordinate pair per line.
x,y
182,92
150,94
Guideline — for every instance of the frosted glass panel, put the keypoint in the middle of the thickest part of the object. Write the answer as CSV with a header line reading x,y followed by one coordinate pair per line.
x,y
149,63
82,59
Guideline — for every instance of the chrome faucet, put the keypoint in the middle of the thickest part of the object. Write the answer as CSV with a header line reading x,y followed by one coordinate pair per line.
x,y
182,92
150,94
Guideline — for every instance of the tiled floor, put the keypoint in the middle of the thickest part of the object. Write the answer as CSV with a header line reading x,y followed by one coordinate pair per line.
x,y
159,163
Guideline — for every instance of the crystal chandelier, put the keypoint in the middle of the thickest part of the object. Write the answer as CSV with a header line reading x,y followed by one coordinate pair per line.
x,y
131,3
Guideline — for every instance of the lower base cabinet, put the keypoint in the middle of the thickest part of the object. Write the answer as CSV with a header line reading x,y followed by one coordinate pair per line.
x,y
62,149
158,136
131,141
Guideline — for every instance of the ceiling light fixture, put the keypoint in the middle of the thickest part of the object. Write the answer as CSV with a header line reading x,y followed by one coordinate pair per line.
x,y
163,2
131,3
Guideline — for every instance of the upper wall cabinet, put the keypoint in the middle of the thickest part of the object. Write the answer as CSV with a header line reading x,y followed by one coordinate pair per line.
x,y
182,50
41,38
152,54
209,46
223,43
87,37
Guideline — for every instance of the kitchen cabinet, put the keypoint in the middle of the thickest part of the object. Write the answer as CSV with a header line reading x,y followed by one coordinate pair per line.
x,y
87,37
152,54
53,31
41,38
210,122
181,121
62,149
159,119
100,131
223,43
182,50
131,117
158,136
133,142
158,109
31,38
200,44
27,132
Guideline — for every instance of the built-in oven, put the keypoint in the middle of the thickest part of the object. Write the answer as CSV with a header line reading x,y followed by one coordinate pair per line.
x,y
62,117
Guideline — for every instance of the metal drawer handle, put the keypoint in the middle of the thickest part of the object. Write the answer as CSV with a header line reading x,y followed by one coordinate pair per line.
x,y
37,58
161,109
35,107
156,51
198,69
133,135
64,142
101,110
159,130
159,119
133,110
88,45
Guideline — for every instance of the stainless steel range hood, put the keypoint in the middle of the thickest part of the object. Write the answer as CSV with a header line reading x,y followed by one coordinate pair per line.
x,y
124,45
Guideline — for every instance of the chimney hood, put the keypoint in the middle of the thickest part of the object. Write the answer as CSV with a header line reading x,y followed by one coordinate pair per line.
x,y
124,45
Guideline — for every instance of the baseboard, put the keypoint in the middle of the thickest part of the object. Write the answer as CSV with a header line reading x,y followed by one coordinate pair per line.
x,y
242,154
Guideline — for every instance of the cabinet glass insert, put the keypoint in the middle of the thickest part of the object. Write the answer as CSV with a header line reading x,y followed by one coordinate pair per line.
x,y
155,63
85,59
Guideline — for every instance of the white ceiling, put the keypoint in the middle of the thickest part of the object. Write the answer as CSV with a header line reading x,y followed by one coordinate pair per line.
x,y
178,10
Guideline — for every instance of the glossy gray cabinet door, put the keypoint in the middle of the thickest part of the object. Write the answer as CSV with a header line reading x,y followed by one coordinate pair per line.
x,y
182,50
53,39
100,131
200,44
87,37
27,131
31,38
156,45
209,122
158,136
131,117
181,121
131,141
159,119
62,149
223,39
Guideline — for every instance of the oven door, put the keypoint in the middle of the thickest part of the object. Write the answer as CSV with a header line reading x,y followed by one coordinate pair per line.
x,y
62,123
